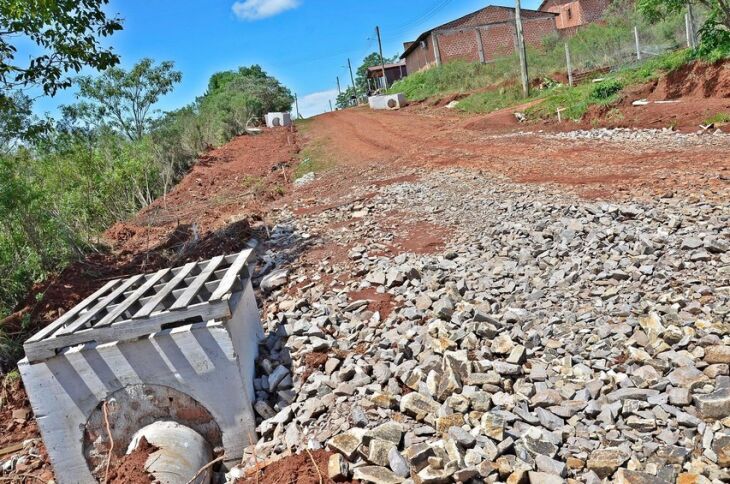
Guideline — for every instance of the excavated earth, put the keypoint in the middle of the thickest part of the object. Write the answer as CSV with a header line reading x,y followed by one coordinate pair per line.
x,y
508,305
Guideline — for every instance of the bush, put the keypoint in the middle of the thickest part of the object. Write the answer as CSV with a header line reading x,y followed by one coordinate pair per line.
x,y
605,89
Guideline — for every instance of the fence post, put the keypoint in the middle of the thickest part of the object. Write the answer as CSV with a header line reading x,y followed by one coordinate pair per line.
x,y
567,61
690,23
480,45
638,47
436,49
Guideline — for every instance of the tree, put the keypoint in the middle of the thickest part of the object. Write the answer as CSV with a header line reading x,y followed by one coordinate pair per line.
x,y
345,98
714,33
66,32
18,123
124,99
370,60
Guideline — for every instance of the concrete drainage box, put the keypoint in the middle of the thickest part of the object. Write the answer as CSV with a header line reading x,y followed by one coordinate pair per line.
x,y
387,101
176,345
275,120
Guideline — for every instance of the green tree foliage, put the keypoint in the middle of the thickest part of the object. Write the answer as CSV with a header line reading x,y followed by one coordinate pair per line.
x,y
58,191
65,32
346,98
236,99
123,99
715,31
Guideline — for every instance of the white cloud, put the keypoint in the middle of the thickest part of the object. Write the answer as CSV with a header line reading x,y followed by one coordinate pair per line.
x,y
258,9
316,103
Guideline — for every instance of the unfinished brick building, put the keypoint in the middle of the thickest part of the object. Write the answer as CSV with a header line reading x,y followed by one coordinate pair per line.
x,y
477,37
572,14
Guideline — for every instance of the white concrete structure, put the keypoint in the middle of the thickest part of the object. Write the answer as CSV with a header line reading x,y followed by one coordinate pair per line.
x,y
388,101
275,120
178,345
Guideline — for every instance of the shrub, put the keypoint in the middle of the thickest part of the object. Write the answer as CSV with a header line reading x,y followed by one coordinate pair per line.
x,y
605,89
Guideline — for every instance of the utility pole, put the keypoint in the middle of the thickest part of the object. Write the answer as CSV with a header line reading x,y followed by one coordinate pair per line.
x,y
382,60
352,78
570,68
296,103
521,50
339,91
691,26
331,105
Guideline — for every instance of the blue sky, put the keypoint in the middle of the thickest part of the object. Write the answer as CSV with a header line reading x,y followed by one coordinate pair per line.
x,y
304,43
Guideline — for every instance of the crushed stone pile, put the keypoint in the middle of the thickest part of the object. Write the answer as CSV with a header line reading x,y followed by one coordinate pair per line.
x,y
554,339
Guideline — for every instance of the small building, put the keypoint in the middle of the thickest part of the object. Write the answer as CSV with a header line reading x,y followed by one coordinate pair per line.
x,y
480,36
393,72
572,14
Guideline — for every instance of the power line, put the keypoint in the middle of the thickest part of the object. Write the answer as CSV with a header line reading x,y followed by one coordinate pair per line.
x,y
421,19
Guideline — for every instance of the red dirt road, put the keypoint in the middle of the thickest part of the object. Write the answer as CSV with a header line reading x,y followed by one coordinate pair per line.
x,y
386,141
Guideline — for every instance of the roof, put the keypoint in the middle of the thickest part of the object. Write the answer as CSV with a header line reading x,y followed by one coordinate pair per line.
x,y
143,304
387,66
449,24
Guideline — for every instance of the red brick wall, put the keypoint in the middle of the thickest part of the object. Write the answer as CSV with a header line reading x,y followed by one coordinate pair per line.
x,y
498,40
459,45
498,36
573,13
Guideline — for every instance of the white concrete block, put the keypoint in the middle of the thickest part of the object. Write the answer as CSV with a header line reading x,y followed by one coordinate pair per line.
x,y
275,120
200,375
388,101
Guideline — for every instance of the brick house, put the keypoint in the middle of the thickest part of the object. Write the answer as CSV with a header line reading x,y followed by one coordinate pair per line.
x,y
393,72
571,14
477,37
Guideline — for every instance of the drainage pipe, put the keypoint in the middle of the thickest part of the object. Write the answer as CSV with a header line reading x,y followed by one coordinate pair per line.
x,y
181,453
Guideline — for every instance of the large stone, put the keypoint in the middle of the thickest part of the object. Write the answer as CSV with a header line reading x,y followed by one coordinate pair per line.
x,y
714,405
445,423
337,467
493,425
398,463
347,443
378,451
604,462
274,280
417,455
390,431
631,394
429,475
687,377
376,475
625,476
418,406
544,478
717,354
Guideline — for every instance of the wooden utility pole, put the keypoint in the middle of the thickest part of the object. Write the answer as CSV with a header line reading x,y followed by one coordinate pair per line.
x,y
382,60
521,50
352,78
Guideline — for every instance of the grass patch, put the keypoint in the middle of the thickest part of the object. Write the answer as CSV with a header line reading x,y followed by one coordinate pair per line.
x,y
456,77
717,118
575,101
491,100
313,158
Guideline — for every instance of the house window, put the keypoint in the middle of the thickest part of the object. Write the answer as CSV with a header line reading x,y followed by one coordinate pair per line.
x,y
570,13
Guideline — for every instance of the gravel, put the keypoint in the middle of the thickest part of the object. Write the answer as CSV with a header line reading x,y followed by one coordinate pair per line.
x,y
551,339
